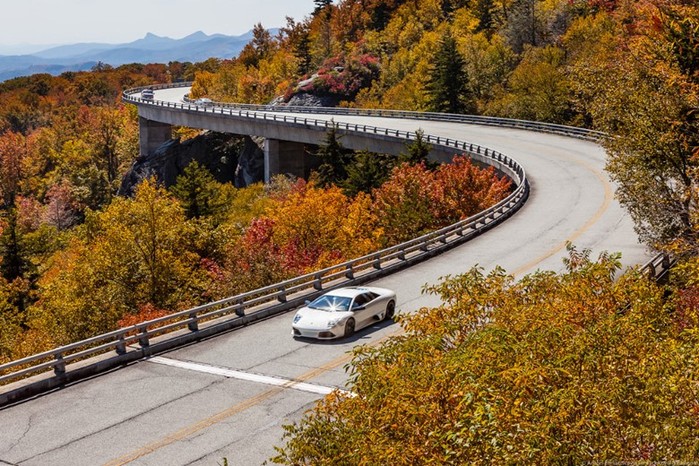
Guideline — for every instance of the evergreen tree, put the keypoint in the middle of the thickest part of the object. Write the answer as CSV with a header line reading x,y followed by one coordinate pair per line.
x,y
367,171
447,82
196,190
484,11
334,158
417,151
321,5
12,264
302,51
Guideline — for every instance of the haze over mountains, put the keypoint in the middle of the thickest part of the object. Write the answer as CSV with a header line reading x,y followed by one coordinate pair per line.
x,y
150,49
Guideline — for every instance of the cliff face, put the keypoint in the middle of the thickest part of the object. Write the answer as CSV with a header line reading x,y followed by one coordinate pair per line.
x,y
230,159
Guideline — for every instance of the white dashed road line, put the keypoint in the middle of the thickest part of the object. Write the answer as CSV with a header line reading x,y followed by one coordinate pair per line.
x,y
230,373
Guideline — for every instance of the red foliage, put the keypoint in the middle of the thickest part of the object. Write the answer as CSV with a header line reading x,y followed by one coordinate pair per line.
x,y
461,189
145,312
345,77
687,309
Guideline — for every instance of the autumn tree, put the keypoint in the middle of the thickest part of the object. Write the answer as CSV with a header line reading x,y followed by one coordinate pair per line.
x,y
462,189
317,227
13,150
260,46
403,203
296,37
654,130
137,251
552,369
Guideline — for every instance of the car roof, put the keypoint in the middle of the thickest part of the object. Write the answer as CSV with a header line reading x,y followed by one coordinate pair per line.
x,y
349,292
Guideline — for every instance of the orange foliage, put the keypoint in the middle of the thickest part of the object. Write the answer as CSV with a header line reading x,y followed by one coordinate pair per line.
x,y
145,312
461,189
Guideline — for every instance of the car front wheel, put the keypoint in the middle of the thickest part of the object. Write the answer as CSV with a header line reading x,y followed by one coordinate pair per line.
x,y
349,327
390,311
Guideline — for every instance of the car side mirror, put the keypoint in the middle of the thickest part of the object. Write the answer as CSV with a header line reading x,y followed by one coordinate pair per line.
x,y
307,302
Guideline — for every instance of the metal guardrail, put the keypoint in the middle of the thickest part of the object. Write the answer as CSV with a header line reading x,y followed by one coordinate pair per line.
x,y
201,321
570,131
658,268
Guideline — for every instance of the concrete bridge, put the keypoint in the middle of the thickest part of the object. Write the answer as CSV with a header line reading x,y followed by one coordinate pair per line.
x,y
227,396
286,130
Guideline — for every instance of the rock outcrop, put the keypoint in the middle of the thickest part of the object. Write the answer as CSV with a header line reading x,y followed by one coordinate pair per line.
x,y
230,159
306,99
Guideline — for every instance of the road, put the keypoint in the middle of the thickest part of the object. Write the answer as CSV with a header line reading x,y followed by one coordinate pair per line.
x,y
227,397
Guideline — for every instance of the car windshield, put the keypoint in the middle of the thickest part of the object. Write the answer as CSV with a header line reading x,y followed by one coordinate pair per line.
x,y
331,303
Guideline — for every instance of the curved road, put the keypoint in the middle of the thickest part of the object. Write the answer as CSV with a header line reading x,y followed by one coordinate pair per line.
x,y
228,397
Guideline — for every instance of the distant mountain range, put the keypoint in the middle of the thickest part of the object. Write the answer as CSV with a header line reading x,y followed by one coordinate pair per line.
x,y
151,49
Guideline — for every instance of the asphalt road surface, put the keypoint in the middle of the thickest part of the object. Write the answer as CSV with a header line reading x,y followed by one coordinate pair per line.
x,y
228,397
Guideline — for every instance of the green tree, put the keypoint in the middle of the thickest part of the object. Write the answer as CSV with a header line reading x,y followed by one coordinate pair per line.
x,y
484,10
321,5
447,83
13,263
197,191
366,172
537,89
417,151
334,159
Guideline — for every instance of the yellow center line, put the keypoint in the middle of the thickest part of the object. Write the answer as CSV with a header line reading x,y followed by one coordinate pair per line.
x,y
608,197
253,401
225,414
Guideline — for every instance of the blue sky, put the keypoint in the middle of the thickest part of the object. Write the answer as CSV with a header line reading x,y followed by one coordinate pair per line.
x,y
117,21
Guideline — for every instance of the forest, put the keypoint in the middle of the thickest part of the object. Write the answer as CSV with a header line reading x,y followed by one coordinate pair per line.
x,y
594,364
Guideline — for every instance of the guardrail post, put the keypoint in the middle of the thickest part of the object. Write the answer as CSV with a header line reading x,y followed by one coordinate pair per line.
x,y
318,283
59,367
281,297
377,262
401,255
143,337
349,273
240,310
121,345
194,325
651,271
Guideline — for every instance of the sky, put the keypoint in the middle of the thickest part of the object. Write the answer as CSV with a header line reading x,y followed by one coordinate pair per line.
x,y
56,22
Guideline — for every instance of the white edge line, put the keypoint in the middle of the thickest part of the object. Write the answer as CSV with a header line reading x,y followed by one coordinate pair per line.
x,y
234,374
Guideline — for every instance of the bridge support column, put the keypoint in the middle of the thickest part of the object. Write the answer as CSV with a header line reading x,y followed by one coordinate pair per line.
x,y
152,134
287,157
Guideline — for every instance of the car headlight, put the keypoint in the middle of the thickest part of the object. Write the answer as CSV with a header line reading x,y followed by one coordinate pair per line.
x,y
334,322
297,317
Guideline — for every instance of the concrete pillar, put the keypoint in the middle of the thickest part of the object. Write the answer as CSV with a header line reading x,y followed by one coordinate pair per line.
x,y
287,157
152,134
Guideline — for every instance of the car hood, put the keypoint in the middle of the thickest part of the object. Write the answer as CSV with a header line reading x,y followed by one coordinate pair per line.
x,y
315,318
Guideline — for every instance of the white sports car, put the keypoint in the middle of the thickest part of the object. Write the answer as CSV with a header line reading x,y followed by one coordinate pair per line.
x,y
340,312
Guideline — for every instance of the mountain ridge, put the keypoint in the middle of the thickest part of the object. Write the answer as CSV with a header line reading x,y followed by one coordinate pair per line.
x,y
151,48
